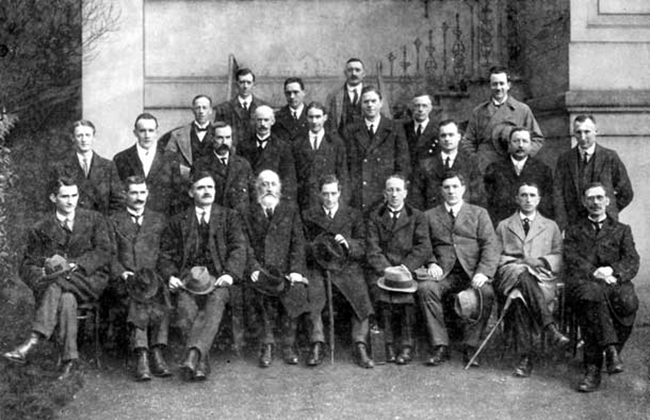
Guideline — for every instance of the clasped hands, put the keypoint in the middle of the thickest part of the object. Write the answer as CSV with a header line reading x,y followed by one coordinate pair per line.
x,y
606,274
436,272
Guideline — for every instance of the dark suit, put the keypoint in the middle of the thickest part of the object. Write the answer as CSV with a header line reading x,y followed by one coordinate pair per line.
x,y
570,178
312,164
286,127
88,246
241,120
341,111
184,142
166,189
462,249
423,146
502,184
101,191
425,190
602,320
372,161
226,254
350,279
276,156
232,181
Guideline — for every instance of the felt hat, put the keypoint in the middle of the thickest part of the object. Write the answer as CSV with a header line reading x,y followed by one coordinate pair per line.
x,y
199,281
469,305
397,279
328,253
270,282
501,136
143,285
56,266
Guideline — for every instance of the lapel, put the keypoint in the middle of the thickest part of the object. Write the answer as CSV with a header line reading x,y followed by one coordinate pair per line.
x,y
599,161
463,217
439,165
134,161
517,228
259,218
279,214
573,170
156,165
125,226
184,142
53,230
536,227
383,131
238,110
339,104
188,232
443,217
320,218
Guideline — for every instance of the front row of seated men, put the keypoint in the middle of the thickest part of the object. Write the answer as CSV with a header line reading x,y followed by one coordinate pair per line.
x,y
207,252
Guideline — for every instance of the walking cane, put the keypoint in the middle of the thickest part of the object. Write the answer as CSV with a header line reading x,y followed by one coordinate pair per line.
x,y
330,304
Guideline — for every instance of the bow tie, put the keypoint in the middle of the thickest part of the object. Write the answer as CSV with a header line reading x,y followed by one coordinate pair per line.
x,y
199,129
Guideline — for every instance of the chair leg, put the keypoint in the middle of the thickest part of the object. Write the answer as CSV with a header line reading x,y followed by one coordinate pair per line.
x,y
98,347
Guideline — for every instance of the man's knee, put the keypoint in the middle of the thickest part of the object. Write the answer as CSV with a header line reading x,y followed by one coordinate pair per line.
x,y
429,289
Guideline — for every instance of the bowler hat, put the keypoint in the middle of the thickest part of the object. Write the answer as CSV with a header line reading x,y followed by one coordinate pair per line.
x,y
270,282
469,305
55,266
501,135
328,253
199,281
397,279
143,285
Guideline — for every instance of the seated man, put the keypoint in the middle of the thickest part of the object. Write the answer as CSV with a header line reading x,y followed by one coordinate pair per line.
x,y
81,236
396,235
207,239
601,261
344,225
531,257
135,233
465,255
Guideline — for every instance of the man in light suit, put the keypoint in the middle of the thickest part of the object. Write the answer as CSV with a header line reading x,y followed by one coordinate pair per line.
x,y
588,162
465,255
291,120
421,132
193,141
344,103
531,258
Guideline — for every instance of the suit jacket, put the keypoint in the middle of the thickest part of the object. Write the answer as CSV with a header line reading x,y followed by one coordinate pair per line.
x,y
239,119
286,127
372,161
544,241
276,156
164,181
335,106
425,189
424,146
232,182
470,240
330,158
102,190
502,182
180,143
88,246
608,169
347,222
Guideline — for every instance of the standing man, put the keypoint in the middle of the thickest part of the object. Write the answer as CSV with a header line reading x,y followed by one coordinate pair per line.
x,y
66,263
586,163
465,256
277,243
205,237
238,111
344,226
160,171
601,261
193,141
531,258
421,132
318,152
291,119
97,179
503,178
265,151
490,122
396,236
376,149
426,192
135,234
345,102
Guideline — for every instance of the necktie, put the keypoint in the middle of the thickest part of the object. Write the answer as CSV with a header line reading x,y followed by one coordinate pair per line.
x,y
585,158
448,163
244,105
451,215
418,132
314,143
224,160
597,226
261,144
371,131
199,129
137,219
204,222
294,114
526,223
355,98
86,167
330,214
395,216
269,212
66,224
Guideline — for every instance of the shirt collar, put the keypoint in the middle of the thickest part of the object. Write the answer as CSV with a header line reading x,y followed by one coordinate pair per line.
x,y
206,125
298,111
422,124
146,152
590,151
599,220
199,212
530,218
352,89
246,100
88,156
133,213
498,104
452,155
395,210
61,218
227,155
374,123
519,163
333,209
318,135
455,208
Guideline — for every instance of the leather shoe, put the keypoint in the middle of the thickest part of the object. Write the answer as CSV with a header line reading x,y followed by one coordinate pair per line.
x,y
202,369
440,355
524,367
558,339
613,360
142,373
390,353
591,380
19,354
69,367
289,355
362,357
188,367
266,355
158,365
316,354
405,356
467,355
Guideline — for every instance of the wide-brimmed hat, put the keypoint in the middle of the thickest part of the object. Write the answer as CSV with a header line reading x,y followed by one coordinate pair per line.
x,y
328,253
397,279
56,266
270,282
295,299
199,281
143,285
469,305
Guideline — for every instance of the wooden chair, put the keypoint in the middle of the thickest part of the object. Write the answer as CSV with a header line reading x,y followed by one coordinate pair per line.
x,y
88,315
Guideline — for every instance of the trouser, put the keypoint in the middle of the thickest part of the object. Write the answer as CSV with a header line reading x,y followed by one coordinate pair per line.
x,y
158,331
58,308
360,328
532,315
208,318
405,313
273,312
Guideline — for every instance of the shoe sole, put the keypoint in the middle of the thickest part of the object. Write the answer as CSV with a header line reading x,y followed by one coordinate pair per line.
x,y
13,360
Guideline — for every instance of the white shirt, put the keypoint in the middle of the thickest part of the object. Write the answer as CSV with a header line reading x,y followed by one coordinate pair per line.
x,y
146,157
589,151
88,158
374,123
498,104
201,134
246,102
351,91
423,124
519,164
134,214
316,139
530,218
333,210
200,211
451,156
455,208
298,111
395,212
262,141
62,218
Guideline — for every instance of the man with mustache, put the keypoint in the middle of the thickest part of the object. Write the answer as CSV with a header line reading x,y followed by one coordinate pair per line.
x,y
503,177
205,235
135,234
345,102
277,243
601,261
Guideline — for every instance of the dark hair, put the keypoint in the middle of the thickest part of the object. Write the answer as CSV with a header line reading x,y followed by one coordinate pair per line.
x,y
294,80
353,60
452,174
420,94
83,123
202,96
529,184
500,69
59,181
447,122
593,185
316,105
145,116
199,174
518,130
243,72
133,180
328,179
371,88
583,118
221,124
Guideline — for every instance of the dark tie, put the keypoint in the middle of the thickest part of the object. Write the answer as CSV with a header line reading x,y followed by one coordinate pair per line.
x,y
269,213
448,163
136,219
66,224
395,216
204,222
244,105
330,214
418,132
526,222
371,131
294,114
355,98
199,129
261,144
451,215
86,167
224,160
597,226
585,158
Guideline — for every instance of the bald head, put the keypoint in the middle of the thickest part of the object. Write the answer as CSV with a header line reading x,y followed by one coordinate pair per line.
x,y
264,120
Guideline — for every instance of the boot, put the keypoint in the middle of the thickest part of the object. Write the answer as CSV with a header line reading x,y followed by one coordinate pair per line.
x,y
316,354
19,354
266,355
558,339
188,367
613,361
289,355
69,368
591,380
524,367
362,357
202,369
158,365
142,373
390,353
405,356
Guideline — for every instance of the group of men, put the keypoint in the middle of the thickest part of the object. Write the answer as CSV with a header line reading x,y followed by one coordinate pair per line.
x,y
259,211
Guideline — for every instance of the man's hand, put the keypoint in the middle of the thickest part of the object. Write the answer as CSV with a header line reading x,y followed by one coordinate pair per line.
x,y
174,283
611,280
435,271
532,262
603,272
255,275
224,281
125,275
297,278
340,239
479,280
